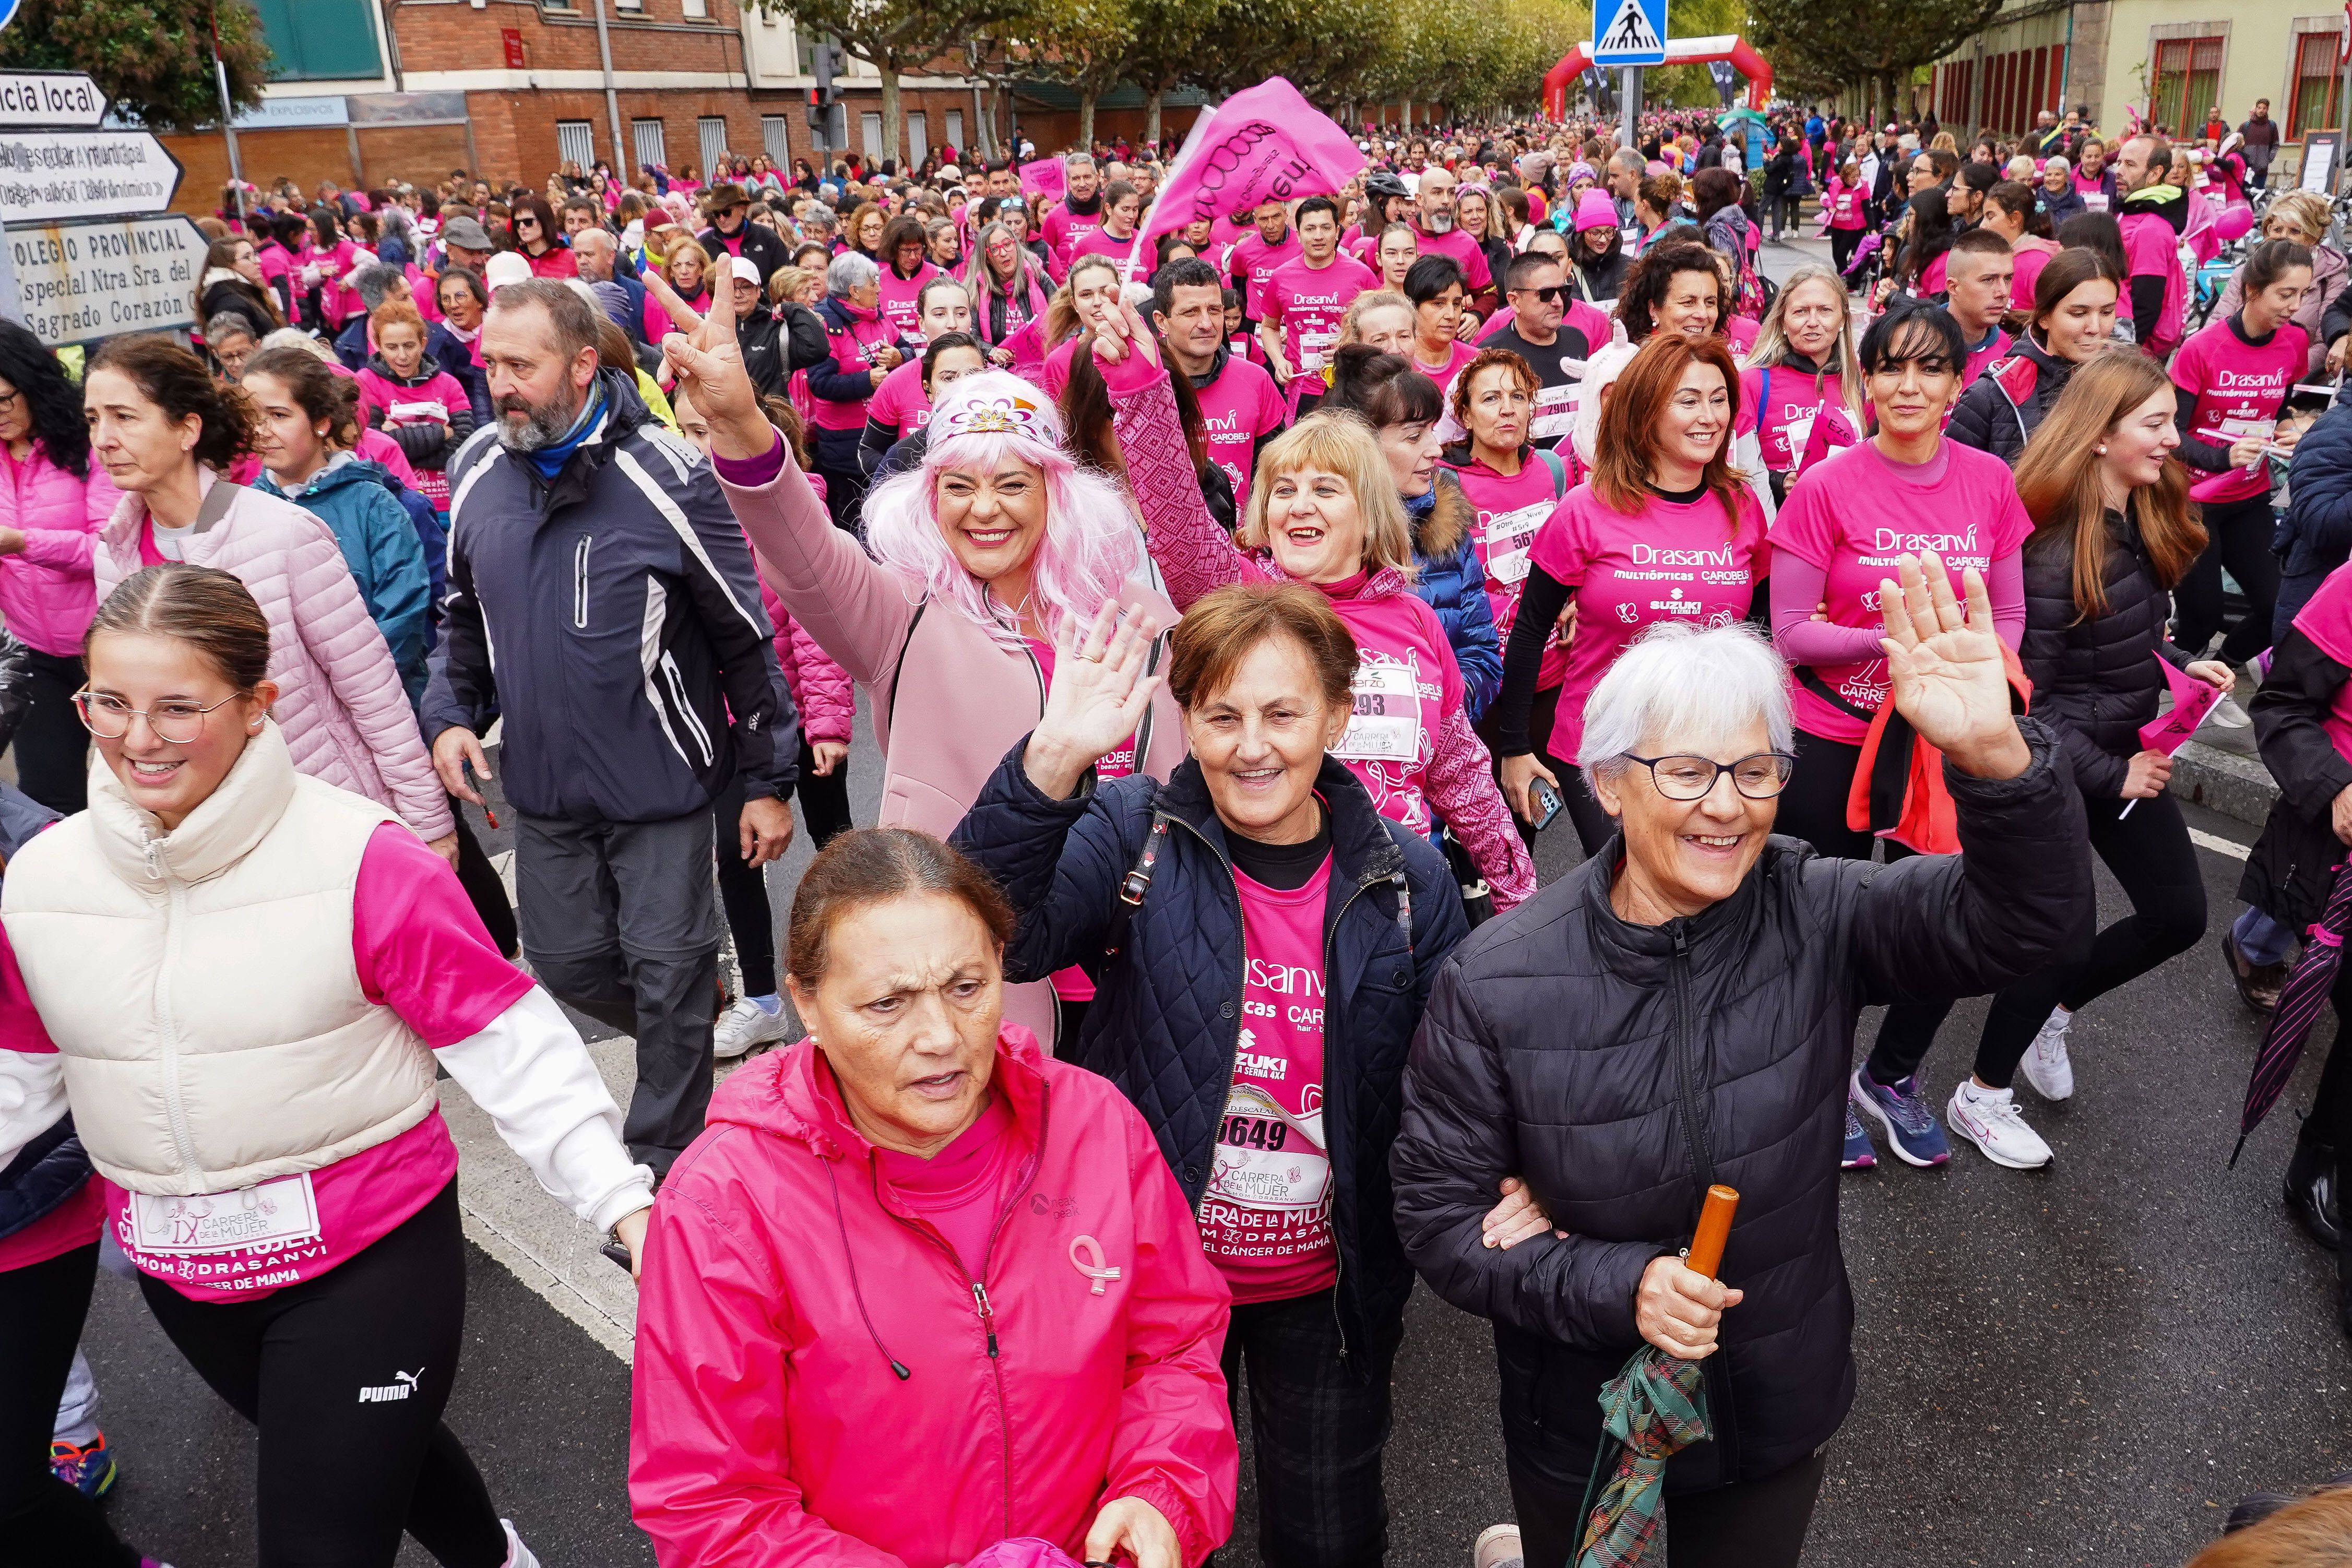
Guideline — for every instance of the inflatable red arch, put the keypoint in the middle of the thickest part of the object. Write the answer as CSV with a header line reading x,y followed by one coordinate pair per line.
x,y
1679,52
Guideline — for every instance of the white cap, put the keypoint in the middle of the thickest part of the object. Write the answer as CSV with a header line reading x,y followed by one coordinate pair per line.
x,y
744,270
504,268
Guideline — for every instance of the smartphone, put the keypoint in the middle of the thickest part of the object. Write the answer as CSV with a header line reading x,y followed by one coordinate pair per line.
x,y
1547,801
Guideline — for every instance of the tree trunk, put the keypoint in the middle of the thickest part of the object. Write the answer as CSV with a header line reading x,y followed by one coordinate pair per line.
x,y
889,108
1152,116
1087,120
1408,114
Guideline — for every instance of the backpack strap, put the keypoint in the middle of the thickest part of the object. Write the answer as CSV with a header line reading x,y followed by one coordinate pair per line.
x,y
1559,471
216,503
1135,883
1404,911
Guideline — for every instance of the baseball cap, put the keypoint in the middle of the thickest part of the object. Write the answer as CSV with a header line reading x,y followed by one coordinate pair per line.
x,y
505,267
744,269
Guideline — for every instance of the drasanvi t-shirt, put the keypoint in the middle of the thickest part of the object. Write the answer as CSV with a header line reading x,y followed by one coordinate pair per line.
x,y
2241,390
1508,510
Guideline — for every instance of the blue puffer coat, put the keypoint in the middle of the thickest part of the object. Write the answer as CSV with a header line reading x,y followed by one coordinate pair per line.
x,y
1452,582
2314,534
355,498
1166,1018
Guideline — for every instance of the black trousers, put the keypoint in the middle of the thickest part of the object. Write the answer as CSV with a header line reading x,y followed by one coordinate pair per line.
x,y
483,888
346,1375
844,481
52,747
825,799
1317,1427
41,1310
2238,536
2330,1121
743,894
1748,1524
1843,244
1594,825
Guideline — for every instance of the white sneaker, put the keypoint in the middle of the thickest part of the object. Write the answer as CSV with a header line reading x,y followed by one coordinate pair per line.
x,y
517,1554
2045,1063
1989,1118
1497,1547
744,1025
2229,715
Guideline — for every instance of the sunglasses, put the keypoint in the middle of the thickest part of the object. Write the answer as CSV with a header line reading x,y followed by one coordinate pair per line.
x,y
1548,296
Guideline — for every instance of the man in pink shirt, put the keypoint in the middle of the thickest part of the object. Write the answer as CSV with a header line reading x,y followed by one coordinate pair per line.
x,y
1433,219
1304,302
1257,254
1979,274
1079,212
2152,212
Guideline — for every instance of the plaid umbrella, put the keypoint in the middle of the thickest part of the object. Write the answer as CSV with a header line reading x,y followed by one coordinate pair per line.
x,y
2300,999
1654,1409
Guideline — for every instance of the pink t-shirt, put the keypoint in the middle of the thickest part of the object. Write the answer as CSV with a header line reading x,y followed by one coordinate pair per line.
x,y
899,403
1476,274
1796,399
75,1222
1102,242
1308,301
421,950
1238,407
2031,255
1740,334
1056,374
1508,510
2151,249
1457,354
1254,261
1931,277
1670,561
1406,683
960,1188
1856,512
2326,620
1266,1218
1065,229
898,297
2094,192
2241,390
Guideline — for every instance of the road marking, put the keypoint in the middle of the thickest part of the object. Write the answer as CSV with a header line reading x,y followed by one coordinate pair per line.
x,y
2218,845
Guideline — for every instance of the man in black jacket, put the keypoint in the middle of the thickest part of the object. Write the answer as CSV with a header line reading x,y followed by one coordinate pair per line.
x,y
1680,1012
726,206
635,676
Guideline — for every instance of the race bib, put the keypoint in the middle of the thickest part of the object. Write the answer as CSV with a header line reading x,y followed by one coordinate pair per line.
x,y
1555,412
1267,1158
1386,727
283,1213
419,413
1509,537
2094,201
1310,349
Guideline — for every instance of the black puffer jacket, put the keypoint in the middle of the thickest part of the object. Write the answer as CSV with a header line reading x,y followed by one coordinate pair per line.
x,y
2293,867
1166,1017
2007,403
1622,1068
2093,680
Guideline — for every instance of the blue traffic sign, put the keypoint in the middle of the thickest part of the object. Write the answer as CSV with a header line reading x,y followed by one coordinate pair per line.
x,y
7,12
1634,34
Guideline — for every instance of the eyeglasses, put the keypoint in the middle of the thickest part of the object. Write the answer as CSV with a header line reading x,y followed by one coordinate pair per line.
x,y
1548,296
1758,778
176,723
8,401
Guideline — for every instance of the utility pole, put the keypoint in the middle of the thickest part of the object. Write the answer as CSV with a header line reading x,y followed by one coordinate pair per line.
x,y
228,122
1633,96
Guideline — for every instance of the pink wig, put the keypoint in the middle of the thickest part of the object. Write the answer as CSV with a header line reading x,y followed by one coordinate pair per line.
x,y
1091,540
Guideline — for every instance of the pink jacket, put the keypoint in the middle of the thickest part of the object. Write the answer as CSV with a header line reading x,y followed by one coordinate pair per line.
x,y
339,700
820,688
46,594
769,1428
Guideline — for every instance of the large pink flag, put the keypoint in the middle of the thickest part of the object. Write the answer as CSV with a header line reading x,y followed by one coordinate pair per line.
x,y
1267,143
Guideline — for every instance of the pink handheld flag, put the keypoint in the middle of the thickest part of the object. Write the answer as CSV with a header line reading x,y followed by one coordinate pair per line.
x,y
1266,144
2191,700
1044,176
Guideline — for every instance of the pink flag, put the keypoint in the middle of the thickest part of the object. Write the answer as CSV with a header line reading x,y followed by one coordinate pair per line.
x,y
1043,175
2191,700
1266,144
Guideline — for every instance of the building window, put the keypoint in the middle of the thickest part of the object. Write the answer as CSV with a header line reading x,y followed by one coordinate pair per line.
x,y
2187,77
869,134
2315,84
919,139
575,143
646,137
696,9
319,40
955,135
775,139
710,135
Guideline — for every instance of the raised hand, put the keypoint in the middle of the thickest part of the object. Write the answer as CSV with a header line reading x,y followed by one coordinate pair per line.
x,y
1100,693
1121,334
1947,668
709,365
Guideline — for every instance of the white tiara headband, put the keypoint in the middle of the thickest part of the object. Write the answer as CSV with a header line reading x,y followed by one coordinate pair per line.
x,y
995,417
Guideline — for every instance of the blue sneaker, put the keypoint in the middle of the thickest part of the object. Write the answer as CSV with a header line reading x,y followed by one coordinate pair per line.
x,y
1912,1130
89,1470
1859,1155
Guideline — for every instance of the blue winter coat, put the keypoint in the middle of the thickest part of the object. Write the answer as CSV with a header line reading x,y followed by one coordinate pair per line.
x,y
1451,580
357,500
2314,534
1165,1022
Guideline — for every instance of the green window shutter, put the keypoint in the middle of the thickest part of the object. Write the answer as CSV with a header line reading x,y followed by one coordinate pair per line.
x,y
320,40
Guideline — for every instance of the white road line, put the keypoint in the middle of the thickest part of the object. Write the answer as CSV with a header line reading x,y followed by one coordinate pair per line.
x,y
2218,845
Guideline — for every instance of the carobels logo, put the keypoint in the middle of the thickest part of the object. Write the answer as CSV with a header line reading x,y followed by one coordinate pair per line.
x,y
1894,539
403,1383
1236,160
1651,555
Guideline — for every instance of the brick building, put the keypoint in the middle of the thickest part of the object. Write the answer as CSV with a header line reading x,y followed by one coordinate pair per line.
x,y
371,90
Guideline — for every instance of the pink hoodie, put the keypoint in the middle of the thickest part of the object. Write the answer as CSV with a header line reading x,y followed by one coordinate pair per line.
x,y
339,700
784,1276
46,596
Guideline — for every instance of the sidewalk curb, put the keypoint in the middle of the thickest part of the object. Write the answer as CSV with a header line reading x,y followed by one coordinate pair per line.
x,y
2221,781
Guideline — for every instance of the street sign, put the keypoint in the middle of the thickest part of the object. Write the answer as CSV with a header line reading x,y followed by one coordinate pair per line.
x,y
1635,33
83,282
7,12
51,176
48,98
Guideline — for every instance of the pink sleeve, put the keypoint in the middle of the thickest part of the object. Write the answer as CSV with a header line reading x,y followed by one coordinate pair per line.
x,y
1798,587
1195,555
420,947
2188,365
1561,546
2007,591
21,1028
1461,790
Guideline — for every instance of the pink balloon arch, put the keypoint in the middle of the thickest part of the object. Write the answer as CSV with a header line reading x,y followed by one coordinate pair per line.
x,y
1679,52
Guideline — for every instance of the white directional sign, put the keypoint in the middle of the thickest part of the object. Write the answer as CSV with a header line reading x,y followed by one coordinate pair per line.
x,y
1629,33
54,176
49,98
84,281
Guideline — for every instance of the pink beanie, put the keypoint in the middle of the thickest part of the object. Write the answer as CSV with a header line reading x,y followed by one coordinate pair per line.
x,y
1595,210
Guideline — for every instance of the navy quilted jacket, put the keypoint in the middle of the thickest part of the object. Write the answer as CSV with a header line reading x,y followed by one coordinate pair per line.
x,y
1167,1011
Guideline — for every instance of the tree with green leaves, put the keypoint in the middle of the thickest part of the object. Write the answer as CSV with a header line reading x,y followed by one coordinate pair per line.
x,y
897,37
1878,41
1081,43
152,57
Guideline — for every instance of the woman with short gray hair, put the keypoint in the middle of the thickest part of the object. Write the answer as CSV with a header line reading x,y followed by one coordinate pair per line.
x,y
1679,1011
865,348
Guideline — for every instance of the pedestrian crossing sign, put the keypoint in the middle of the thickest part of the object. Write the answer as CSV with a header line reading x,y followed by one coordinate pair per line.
x,y
1635,34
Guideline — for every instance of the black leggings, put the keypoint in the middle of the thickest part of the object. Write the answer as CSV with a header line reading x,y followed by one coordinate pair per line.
x,y
743,894
346,1375
825,799
2330,1121
52,747
42,1519
1748,1524
2238,535
1843,243
2151,855
1594,825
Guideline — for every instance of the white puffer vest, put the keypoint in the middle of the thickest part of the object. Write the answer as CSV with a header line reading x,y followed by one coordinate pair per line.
x,y
200,985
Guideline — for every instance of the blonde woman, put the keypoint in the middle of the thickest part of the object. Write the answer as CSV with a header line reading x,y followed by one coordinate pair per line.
x,y
1801,367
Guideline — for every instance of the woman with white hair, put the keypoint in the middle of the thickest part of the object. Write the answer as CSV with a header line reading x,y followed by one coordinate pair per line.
x,y
980,557
866,349
1678,1012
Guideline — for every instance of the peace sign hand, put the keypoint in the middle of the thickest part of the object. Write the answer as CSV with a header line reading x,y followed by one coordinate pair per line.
x,y
1100,695
709,365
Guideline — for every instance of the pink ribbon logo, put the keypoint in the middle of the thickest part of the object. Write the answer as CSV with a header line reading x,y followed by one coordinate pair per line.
x,y
1087,1257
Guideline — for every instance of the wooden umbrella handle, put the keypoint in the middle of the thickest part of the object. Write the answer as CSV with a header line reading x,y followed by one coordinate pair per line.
x,y
1705,1255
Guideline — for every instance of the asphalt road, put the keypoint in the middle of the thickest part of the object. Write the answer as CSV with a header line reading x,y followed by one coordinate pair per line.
x,y
2086,1365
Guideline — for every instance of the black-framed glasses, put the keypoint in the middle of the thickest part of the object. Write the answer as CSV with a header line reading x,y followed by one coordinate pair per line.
x,y
175,722
1758,776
